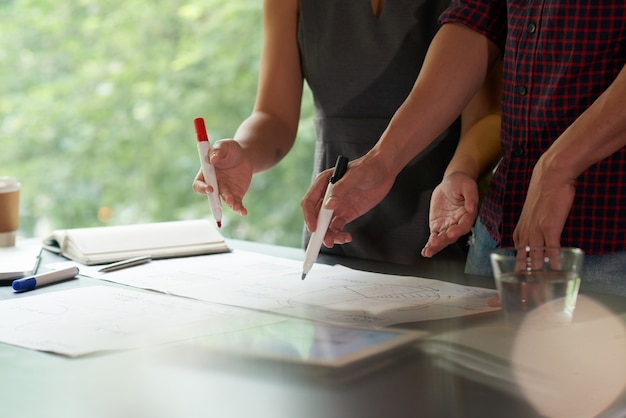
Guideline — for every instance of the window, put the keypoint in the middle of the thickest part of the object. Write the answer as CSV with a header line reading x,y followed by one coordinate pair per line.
x,y
97,102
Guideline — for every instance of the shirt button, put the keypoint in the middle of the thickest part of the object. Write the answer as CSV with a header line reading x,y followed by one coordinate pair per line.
x,y
531,28
517,152
521,90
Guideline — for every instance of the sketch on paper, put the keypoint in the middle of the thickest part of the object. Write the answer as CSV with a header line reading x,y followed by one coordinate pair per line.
x,y
377,297
102,318
333,294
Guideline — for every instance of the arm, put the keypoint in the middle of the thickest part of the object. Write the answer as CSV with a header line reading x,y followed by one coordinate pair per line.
x,y
479,145
455,67
268,134
454,203
597,133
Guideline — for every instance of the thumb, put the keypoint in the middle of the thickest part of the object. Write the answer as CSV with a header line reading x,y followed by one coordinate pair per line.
x,y
223,151
470,194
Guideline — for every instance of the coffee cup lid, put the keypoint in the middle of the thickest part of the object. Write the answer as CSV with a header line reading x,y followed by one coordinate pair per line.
x,y
9,184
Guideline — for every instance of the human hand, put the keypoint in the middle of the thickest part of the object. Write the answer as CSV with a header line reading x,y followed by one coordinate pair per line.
x,y
234,174
494,302
453,210
363,186
547,205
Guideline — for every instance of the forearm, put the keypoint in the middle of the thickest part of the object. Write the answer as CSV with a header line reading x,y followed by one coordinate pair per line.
x,y
265,139
268,134
599,132
454,69
479,144
478,148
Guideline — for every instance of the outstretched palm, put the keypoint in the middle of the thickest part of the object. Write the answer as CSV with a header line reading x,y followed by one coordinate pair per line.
x,y
453,210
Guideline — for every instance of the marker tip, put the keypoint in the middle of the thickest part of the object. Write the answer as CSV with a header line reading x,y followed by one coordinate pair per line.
x,y
219,224
303,276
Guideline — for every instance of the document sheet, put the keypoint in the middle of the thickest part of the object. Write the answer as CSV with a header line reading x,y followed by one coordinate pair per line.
x,y
101,318
331,294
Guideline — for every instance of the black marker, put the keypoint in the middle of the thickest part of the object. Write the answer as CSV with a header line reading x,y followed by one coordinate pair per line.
x,y
323,219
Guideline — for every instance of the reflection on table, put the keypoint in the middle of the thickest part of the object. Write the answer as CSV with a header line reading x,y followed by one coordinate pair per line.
x,y
471,366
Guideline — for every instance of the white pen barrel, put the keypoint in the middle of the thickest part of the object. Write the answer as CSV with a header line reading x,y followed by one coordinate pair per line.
x,y
207,168
210,178
56,276
317,237
214,198
324,217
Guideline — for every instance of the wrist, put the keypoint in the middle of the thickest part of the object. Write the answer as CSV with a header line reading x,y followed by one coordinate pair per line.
x,y
464,165
553,168
386,163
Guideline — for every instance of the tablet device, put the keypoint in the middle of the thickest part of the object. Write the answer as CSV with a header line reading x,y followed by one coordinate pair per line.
x,y
312,345
19,261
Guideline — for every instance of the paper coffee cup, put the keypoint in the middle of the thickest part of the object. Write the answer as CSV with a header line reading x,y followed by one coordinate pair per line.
x,y
9,210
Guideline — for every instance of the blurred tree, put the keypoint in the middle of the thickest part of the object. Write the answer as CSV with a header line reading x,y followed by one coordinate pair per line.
x,y
97,101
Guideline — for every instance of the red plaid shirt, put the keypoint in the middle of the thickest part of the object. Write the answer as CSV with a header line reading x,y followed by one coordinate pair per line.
x,y
559,57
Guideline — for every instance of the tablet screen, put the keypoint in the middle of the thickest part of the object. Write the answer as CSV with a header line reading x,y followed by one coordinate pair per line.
x,y
313,343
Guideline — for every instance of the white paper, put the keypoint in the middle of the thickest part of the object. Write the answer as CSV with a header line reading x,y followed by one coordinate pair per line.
x,y
332,294
99,318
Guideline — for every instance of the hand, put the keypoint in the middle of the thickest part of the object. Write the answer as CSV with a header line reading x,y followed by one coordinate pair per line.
x,y
363,186
547,205
234,174
494,302
453,210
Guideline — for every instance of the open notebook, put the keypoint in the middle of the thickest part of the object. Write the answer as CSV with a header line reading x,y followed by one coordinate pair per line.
x,y
100,245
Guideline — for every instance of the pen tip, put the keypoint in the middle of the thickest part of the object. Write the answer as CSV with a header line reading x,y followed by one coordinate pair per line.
x,y
303,276
219,224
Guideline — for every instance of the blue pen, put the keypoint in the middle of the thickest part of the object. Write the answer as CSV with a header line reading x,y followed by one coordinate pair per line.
x,y
38,280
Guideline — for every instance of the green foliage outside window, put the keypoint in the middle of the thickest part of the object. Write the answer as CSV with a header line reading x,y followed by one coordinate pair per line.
x,y
97,101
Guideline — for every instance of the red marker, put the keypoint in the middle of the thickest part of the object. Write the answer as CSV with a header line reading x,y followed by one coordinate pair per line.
x,y
204,147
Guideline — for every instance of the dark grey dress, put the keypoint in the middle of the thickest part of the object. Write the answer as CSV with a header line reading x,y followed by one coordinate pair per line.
x,y
360,69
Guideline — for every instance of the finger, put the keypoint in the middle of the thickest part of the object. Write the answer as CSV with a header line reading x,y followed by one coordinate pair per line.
x,y
494,302
337,224
223,154
336,237
553,256
198,185
312,200
470,195
433,246
343,237
519,241
335,234
236,204
439,241
340,188
552,241
429,250
219,150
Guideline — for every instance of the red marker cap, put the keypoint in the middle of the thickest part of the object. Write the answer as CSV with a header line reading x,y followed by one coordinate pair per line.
x,y
200,130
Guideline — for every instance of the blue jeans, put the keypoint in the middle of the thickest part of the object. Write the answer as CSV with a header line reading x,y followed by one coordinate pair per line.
x,y
481,244
605,273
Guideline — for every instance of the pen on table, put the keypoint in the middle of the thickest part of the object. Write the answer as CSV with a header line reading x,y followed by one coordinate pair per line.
x,y
323,219
131,262
37,262
204,147
38,280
